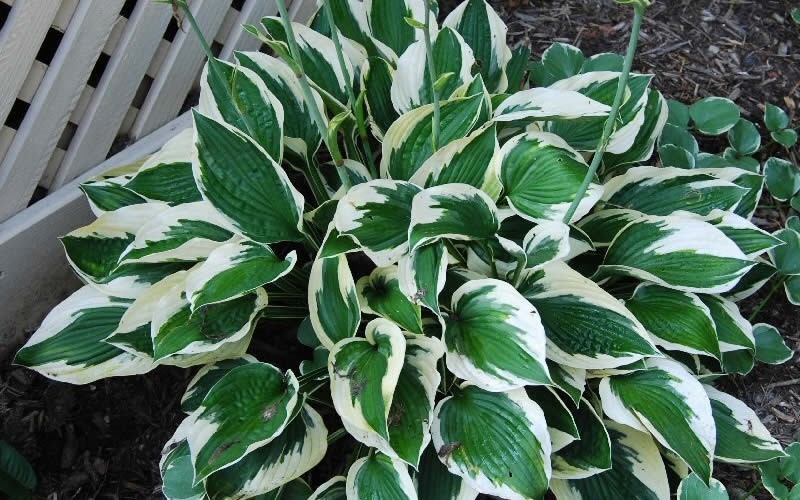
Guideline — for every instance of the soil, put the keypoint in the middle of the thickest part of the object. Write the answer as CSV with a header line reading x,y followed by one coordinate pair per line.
x,y
103,440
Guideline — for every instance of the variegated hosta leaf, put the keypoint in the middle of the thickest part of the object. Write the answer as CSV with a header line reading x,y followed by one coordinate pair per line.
x,y
435,482
571,381
494,337
335,243
560,422
497,253
205,379
601,86
69,347
664,190
407,143
380,294
350,18
669,403
678,252
93,251
549,104
485,33
380,476
411,413
301,134
586,327
246,409
473,160
422,274
497,442
604,225
301,445
377,76
234,269
741,437
677,320
177,475
541,175
752,181
637,471
546,242
333,489
167,175
589,455
318,56
376,215
253,109
355,172
451,56
240,179
107,195
188,232
386,21
176,332
770,346
454,212
559,61
733,329
656,113
333,301
364,375
751,239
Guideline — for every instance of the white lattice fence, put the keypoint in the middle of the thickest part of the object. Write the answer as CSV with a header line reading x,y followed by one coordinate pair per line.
x,y
80,79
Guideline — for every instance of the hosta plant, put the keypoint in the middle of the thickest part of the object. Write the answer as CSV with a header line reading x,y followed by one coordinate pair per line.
x,y
503,291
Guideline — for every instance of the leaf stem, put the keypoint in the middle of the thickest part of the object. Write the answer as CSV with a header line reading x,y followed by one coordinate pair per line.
x,y
336,435
432,78
766,300
612,117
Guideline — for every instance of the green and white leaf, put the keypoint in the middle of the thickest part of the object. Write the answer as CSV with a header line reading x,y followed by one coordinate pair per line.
x,y
591,454
485,32
542,174
411,85
677,252
68,346
604,225
364,374
496,441
422,273
473,160
670,404
234,269
377,215
205,379
333,300
411,413
319,58
494,337
246,409
546,242
187,232
253,110
548,104
664,190
379,294
560,422
733,330
752,181
332,489
300,446
637,471
676,320
435,482
571,381
741,437
178,334
452,211
407,144
785,257
264,206
586,327
751,239
177,475
380,476
301,136
377,78
386,21
714,115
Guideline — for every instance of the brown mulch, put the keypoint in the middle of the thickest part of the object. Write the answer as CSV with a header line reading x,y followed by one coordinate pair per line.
x,y
104,440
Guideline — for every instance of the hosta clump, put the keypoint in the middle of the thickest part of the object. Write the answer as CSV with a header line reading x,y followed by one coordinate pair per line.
x,y
482,320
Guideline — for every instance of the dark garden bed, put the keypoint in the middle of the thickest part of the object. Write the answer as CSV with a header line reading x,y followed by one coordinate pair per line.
x,y
104,440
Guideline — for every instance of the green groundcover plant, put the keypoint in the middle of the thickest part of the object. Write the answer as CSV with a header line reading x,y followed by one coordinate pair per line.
x,y
503,295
